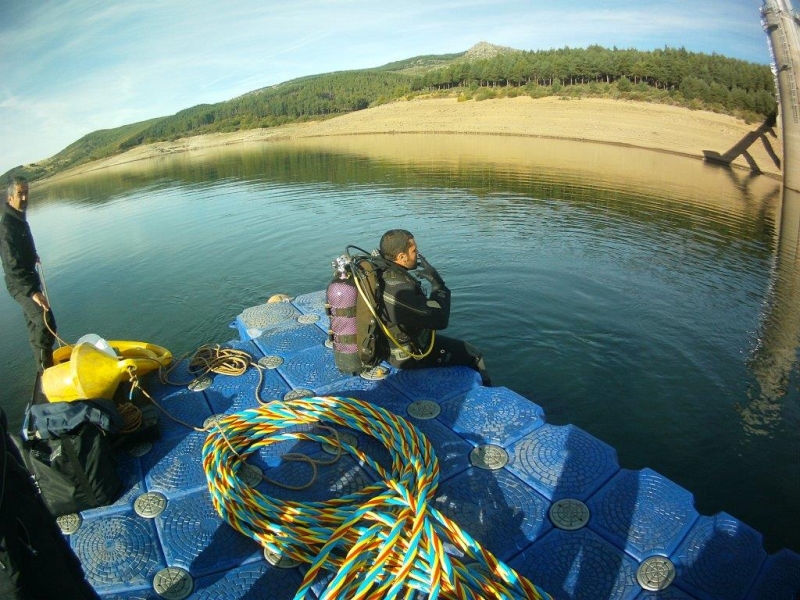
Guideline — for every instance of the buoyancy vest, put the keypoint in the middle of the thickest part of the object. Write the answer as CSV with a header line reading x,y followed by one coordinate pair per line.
x,y
372,342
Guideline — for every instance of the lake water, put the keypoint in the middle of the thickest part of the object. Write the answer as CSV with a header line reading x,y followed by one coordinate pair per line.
x,y
649,299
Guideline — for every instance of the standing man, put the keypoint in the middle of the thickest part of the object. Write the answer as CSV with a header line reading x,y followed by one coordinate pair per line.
x,y
19,258
414,317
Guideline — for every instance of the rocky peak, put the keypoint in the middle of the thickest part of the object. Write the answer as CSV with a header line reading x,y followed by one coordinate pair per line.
x,y
486,50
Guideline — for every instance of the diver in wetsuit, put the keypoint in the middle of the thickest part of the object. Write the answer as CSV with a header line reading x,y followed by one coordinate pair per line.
x,y
414,318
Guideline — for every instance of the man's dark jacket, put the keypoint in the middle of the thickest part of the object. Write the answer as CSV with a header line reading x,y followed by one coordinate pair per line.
x,y
18,253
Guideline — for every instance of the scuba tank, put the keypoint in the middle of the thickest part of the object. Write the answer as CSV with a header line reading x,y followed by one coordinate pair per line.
x,y
341,298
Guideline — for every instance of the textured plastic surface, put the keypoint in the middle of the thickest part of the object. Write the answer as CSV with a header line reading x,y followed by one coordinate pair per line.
x,y
579,564
671,593
451,449
255,320
289,337
496,508
172,466
259,580
313,304
642,512
187,406
491,415
311,368
562,462
229,394
435,384
630,516
119,551
719,558
196,538
779,577
379,392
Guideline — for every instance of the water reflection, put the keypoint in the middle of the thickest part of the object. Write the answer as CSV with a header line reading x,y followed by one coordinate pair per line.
x,y
486,165
774,360
623,290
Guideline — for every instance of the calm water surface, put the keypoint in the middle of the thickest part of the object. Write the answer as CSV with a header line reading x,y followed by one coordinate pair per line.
x,y
649,299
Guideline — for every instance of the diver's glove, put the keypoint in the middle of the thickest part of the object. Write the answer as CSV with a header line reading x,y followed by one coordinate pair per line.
x,y
430,274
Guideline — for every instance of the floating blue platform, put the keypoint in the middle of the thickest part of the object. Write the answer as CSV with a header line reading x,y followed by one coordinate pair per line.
x,y
552,502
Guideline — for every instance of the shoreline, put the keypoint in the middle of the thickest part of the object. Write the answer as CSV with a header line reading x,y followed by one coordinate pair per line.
x,y
622,123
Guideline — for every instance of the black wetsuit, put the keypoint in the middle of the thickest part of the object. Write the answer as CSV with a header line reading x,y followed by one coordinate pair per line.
x,y
18,254
411,316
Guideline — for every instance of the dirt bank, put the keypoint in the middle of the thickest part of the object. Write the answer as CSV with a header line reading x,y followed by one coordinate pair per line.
x,y
634,124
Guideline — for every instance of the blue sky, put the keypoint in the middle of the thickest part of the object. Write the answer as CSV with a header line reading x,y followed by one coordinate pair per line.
x,y
70,67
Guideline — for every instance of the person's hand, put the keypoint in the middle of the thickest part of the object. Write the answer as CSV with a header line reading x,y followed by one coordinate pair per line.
x,y
428,273
41,300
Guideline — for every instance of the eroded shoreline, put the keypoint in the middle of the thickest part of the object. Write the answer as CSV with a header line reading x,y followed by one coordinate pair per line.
x,y
655,127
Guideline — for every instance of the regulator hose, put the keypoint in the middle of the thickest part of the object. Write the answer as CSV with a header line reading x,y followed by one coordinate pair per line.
x,y
382,542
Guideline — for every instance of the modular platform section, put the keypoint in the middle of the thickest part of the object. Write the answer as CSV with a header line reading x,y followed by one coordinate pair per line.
x,y
550,502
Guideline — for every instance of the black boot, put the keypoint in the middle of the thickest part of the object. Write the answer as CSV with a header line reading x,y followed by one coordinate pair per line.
x,y
480,366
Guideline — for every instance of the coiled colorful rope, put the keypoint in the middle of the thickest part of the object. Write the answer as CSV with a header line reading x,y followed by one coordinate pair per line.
x,y
384,541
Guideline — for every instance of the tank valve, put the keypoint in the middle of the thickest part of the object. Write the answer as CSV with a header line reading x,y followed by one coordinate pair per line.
x,y
340,266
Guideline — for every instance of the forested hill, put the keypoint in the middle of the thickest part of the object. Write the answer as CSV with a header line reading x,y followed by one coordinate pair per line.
x,y
675,76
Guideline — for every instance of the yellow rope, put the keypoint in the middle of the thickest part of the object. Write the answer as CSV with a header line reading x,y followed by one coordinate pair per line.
x,y
50,329
131,417
216,359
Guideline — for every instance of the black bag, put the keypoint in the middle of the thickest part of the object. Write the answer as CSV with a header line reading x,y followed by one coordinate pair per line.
x,y
75,471
54,419
36,558
69,456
